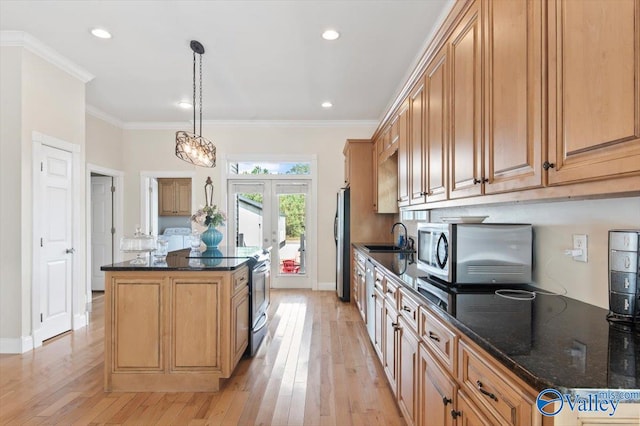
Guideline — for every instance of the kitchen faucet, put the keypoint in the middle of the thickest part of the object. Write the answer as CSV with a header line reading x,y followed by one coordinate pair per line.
x,y
404,241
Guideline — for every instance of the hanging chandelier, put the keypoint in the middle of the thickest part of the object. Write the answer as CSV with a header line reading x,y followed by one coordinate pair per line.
x,y
192,147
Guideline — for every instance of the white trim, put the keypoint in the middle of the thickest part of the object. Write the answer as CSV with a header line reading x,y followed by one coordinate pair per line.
x,y
152,125
326,286
250,123
98,113
80,320
118,219
32,44
16,345
38,140
145,175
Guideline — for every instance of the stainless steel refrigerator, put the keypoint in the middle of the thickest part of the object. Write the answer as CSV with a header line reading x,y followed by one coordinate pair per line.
x,y
341,233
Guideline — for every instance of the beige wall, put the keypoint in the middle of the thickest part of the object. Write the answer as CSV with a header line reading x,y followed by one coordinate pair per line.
x,y
10,204
554,224
153,150
51,102
104,143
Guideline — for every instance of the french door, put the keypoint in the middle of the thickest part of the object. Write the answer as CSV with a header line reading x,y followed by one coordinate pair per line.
x,y
273,213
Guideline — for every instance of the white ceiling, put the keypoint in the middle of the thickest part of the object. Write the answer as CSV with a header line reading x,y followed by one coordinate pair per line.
x,y
264,60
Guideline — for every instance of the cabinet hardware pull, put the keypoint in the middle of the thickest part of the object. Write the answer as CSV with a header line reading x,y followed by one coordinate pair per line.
x,y
455,414
394,324
406,308
373,295
446,400
476,181
489,394
389,291
433,336
547,165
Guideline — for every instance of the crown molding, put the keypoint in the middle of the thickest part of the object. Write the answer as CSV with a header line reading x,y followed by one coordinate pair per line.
x,y
252,124
98,113
32,44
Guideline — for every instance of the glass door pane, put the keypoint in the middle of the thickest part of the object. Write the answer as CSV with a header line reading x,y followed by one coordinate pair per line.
x,y
247,220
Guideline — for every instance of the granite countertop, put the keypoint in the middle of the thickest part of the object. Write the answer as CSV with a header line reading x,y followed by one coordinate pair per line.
x,y
549,342
226,258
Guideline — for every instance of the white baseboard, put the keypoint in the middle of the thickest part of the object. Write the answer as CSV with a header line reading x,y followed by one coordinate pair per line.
x,y
327,286
80,320
17,345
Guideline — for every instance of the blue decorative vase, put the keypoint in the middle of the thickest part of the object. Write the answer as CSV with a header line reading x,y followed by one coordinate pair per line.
x,y
211,238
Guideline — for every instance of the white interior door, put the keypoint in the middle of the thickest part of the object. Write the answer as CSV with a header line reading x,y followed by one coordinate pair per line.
x,y
56,251
101,228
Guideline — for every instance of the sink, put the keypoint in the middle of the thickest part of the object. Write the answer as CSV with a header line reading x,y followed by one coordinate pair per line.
x,y
384,248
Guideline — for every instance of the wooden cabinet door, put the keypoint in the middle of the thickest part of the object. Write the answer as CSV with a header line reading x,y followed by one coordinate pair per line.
x,y
513,87
407,367
359,292
437,392
183,197
374,167
594,89
467,414
167,200
436,128
403,160
239,324
417,150
390,345
378,337
465,152
195,324
137,343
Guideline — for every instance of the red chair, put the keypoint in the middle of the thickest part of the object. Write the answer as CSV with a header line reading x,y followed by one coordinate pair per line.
x,y
290,266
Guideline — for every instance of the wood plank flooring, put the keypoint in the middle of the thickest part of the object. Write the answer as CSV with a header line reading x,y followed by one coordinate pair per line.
x,y
315,367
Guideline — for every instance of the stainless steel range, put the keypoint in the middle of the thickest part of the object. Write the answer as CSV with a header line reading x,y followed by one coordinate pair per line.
x,y
259,288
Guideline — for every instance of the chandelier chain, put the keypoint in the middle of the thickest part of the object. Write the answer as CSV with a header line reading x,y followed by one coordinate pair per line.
x,y
200,95
194,94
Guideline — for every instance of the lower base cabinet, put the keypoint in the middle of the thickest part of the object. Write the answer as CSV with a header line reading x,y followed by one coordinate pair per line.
x,y
467,414
408,365
390,346
437,397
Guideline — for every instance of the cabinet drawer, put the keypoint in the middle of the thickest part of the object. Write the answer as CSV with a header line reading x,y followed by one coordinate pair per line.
x,y
442,341
359,259
391,294
408,308
380,281
240,280
494,390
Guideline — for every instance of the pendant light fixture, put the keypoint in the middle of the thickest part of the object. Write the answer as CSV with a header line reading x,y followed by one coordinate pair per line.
x,y
192,147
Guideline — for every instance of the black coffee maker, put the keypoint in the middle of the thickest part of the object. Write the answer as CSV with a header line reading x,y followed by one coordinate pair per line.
x,y
624,276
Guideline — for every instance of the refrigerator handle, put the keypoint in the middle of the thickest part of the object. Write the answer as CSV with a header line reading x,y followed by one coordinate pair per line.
x,y
335,228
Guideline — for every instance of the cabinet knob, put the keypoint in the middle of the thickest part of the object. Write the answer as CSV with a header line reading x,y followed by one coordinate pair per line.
x,y
547,165
455,413
446,400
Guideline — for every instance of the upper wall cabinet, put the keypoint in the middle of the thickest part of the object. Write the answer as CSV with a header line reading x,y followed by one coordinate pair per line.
x,y
594,89
415,146
513,95
465,152
403,160
174,197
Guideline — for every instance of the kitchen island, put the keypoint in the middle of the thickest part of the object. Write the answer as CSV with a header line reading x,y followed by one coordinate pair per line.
x,y
176,326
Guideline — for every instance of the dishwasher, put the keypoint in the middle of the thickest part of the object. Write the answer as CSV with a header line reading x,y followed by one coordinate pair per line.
x,y
369,284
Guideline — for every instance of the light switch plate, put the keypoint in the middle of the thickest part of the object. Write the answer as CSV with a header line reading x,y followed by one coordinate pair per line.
x,y
580,243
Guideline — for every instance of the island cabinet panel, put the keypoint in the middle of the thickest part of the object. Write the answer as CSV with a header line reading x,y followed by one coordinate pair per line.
x,y
137,324
465,163
195,324
594,92
174,330
513,95
240,324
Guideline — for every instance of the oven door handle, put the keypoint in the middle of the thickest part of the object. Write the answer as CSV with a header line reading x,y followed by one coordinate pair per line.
x,y
263,268
262,322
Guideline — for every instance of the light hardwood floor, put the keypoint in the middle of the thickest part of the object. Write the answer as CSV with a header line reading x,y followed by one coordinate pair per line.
x,y
315,367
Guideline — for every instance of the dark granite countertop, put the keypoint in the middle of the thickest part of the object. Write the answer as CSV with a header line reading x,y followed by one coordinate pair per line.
x,y
226,258
549,342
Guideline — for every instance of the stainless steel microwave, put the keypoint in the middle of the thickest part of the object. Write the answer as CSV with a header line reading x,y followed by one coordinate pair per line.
x,y
476,253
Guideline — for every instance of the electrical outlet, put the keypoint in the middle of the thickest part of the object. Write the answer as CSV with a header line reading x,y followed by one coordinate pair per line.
x,y
580,243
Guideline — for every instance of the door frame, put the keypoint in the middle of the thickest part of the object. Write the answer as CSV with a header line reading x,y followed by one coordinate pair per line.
x,y
118,217
312,232
79,314
145,177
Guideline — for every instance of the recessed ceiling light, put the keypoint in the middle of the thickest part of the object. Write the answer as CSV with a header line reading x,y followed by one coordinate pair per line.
x,y
101,33
327,104
330,35
185,105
